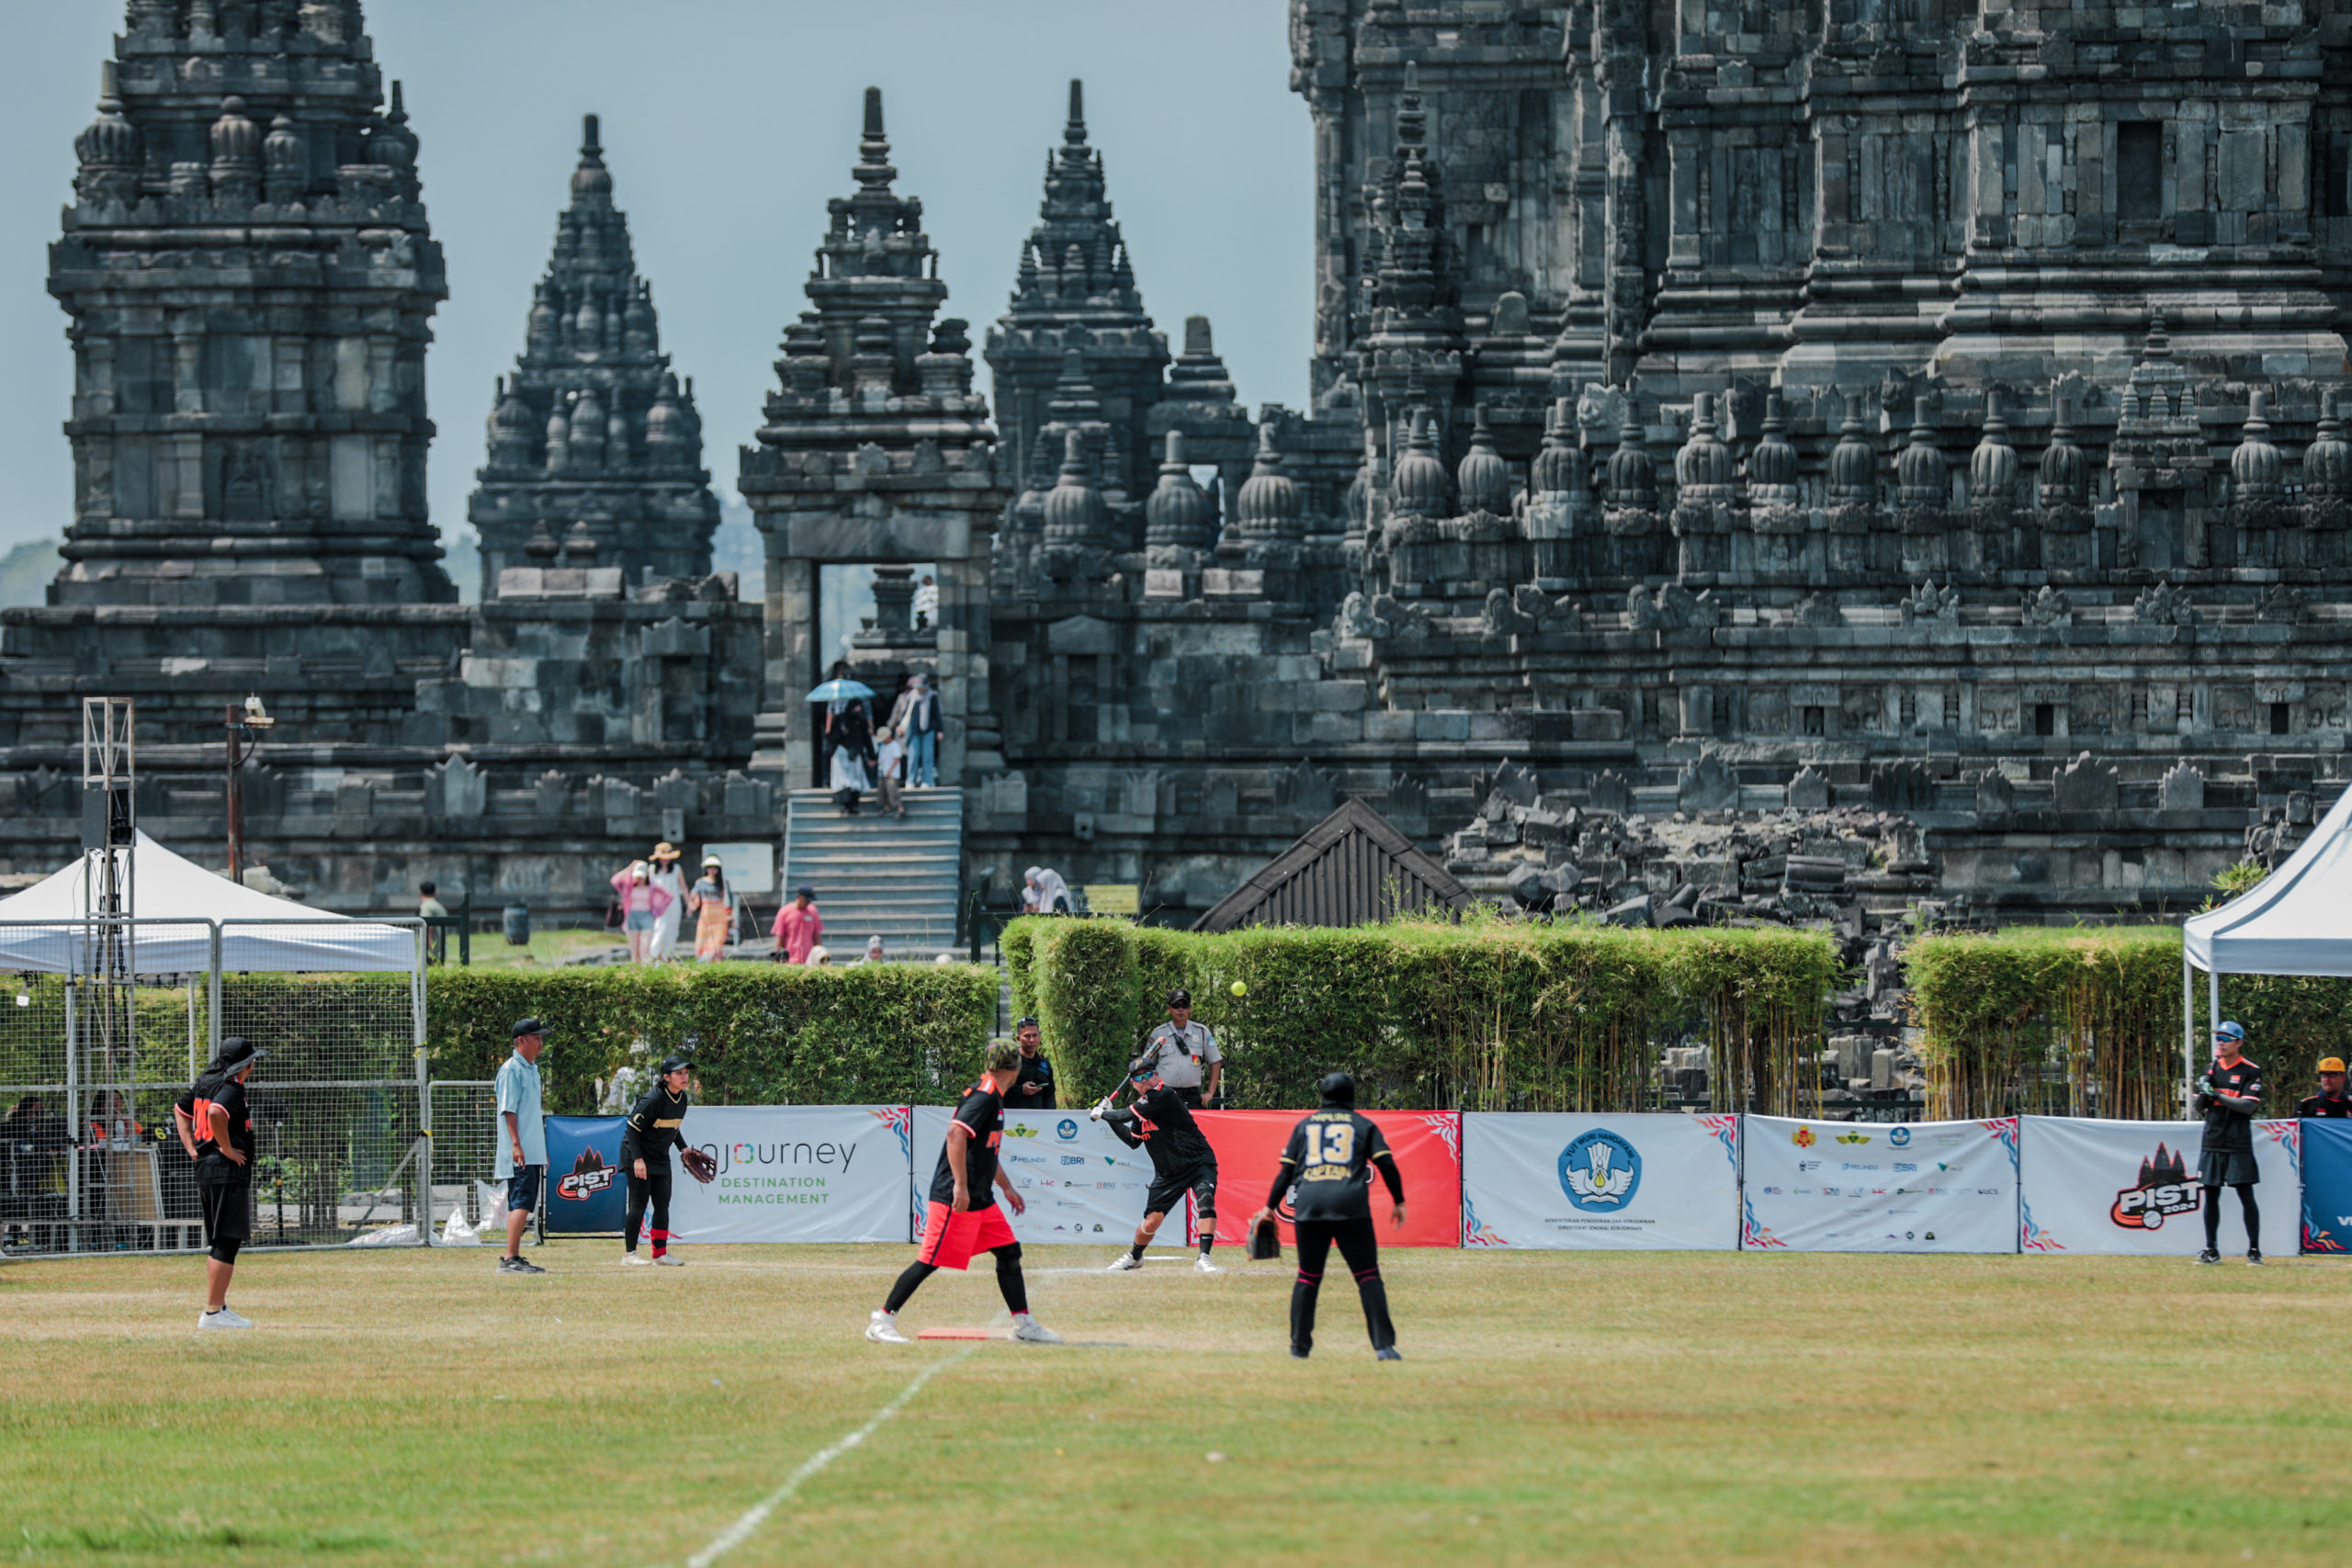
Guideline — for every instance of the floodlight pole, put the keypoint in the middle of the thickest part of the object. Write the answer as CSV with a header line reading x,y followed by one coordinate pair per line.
x,y
248,721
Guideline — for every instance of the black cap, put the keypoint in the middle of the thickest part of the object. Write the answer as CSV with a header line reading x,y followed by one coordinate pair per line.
x,y
1179,998
1336,1088
804,891
236,1051
529,1026
672,1062
1145,1067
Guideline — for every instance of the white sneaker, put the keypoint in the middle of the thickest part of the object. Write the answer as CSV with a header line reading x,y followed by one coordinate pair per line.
x,y
668,1260
882,1328
1029,1331
1202,1266
225,1318
631,1259
1127,1260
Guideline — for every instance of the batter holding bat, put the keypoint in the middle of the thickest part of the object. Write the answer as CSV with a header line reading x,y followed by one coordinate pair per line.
x,y
1161,1123
655,1126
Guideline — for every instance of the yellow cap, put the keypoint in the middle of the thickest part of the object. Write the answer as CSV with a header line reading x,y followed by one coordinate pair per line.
x,y
2331,1063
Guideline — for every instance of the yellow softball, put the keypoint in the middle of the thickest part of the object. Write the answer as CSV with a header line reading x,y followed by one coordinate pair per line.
x,y
1240,989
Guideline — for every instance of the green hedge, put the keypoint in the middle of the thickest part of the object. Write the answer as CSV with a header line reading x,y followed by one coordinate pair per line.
x,y
1487,1015
2087,1022
760,1033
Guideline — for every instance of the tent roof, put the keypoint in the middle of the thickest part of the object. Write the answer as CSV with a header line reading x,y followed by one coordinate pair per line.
x,y
1349,868
2298,920
177,903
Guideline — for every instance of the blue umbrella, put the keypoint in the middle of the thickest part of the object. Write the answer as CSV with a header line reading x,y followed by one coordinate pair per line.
x,y
836,691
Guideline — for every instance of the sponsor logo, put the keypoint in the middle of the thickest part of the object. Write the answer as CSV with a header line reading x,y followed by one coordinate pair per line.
x,y
1098,1230
1849,1165
1898,1136
1900,1168
1074,1159
1946,1140
1853,1138
1065,1129
1806,1164
732,1155
1021,1130
1803,1138
2163,1190
1776,1191
1600,1171
1929,1236
590,1174
1943,1164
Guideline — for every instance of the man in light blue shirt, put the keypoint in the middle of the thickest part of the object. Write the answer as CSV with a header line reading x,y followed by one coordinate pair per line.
x,y
522,1135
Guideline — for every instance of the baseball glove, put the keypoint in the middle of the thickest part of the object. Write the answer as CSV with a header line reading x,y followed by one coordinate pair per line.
x,y
699,1165
1265,1241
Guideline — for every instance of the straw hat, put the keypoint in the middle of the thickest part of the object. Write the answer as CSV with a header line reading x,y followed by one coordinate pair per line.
x,y
665,850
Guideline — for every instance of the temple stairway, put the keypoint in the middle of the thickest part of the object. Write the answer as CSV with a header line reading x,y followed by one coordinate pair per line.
x,y
898,879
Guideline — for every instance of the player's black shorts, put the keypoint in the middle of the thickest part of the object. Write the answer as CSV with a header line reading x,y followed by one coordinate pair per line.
x,y
1167,1193
2227,1168
228,1209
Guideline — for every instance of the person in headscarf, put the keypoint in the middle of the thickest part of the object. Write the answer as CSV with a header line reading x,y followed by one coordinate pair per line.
x,y
1046,892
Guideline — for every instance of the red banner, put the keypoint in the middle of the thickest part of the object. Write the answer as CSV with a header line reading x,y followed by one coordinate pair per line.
x,y
1427,1145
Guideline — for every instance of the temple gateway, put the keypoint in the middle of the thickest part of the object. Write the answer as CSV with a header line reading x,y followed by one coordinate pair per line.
x,y
1739,429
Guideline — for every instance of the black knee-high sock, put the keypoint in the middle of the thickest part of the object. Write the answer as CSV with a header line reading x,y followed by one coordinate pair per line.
x,y
1374,1292
2252,1216
1208,1233
2212,1219
1009,1279
916,1273
1302,1309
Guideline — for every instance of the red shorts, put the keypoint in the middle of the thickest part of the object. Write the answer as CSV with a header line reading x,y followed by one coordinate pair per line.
x,y
949,1239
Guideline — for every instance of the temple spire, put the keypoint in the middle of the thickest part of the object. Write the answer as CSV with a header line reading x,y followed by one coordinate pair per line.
x,y
1074,132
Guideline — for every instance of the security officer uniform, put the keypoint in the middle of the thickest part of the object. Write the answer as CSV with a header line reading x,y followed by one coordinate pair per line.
x,y
1183,1055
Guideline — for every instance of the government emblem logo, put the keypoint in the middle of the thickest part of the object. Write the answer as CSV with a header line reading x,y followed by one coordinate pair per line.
x,y
1600,1172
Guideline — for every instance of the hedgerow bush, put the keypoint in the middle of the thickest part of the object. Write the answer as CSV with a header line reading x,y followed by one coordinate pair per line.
x,y
1482,1015
760,1034
2087,1022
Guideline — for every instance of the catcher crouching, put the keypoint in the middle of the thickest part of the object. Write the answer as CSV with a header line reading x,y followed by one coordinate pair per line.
x,y
655,1126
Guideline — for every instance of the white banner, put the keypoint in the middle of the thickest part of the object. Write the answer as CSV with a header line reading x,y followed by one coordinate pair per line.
x,y
1080,1182
1651,1183
1879,1186
795,1173
2132,1186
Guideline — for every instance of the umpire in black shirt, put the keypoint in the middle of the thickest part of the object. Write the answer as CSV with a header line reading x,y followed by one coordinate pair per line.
x,y
1330,1162
2230,1097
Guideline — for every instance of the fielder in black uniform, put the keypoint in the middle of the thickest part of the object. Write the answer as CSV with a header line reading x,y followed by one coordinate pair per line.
x,y
217,1131
1161,1125
654,1129
2230,1097
1330,1160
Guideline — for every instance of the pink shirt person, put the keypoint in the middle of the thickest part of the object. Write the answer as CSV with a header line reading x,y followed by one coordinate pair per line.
x,y
797,927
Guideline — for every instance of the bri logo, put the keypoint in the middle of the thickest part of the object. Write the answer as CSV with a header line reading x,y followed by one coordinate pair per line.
x,y
1073,1159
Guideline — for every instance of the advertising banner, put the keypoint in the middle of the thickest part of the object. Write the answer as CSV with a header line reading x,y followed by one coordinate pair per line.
x,y
2327,1186
1080,1182
2132,1186
584,1195
1427,1145
1879,1186
1645,1183
795,1173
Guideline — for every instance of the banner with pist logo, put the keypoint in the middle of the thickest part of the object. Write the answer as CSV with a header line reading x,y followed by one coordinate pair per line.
x,y
1080,1182
1652,1183
1879,1186
585,1195
796,1173
2132,1186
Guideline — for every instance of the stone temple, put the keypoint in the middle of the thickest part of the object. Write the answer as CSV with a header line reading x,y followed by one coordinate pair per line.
x,y
1730,408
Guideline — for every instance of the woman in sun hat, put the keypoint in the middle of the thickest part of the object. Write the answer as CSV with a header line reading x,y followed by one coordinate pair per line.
x,y
670,880
714,908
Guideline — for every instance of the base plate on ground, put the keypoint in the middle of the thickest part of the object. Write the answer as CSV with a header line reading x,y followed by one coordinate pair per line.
x,y
954,1334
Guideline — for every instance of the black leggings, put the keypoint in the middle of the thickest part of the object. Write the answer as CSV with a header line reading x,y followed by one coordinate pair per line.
x,y
1008,1280
2244,1189
1361,1248
655,1183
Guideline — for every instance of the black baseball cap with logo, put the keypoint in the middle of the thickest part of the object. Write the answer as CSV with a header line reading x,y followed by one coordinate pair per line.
x,y
1179,998
675,1062
529,1026
236,1052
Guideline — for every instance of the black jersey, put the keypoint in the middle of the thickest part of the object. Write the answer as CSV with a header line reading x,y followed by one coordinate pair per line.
x,y
1330,1160
1161,1125
982,1113
653,1130
2230,1131
2324,1105
211,1165
1034,1070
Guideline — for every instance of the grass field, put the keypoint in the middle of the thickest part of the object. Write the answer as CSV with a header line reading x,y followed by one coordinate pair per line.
x,y
1644,1409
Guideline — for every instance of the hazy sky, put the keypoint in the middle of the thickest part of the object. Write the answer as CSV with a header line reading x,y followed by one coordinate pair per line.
x,y
727,124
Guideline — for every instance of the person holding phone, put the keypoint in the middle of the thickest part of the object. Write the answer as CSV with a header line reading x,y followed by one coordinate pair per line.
x,y
217,1131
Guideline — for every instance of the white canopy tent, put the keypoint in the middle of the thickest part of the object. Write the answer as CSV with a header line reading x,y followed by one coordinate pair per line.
x,y
182,910
2298,920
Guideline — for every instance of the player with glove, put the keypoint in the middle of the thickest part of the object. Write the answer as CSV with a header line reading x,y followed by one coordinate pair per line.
x,y
2229,1096
1161,1123
1330,1160
653,1130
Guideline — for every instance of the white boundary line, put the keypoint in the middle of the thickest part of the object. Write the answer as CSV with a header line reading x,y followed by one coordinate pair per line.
x,y
742,1529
